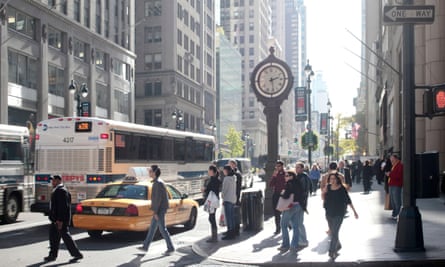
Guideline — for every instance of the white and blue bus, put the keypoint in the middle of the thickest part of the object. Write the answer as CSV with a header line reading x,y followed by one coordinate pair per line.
x,y
90,152
16,185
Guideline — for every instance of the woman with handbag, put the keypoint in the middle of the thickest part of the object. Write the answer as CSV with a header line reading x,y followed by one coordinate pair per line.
x,y
211,194
336,199
289,204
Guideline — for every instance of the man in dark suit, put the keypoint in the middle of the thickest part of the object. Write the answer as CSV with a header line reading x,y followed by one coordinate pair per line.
x,y
60,217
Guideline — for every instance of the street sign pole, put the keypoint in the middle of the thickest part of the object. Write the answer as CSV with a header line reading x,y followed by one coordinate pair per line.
x,y
409,236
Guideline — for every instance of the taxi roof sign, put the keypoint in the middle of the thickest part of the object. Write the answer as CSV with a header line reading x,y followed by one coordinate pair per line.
x,y
130,179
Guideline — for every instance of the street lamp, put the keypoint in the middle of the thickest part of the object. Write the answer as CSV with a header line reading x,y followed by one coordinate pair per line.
x,y
79,92
246,138
328,150
178,117
309,74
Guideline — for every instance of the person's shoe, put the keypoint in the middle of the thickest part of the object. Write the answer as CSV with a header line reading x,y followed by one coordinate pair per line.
x,y
168,252
229,236
142,249
76,258
301,247
212,240
283,249
277,232
49,258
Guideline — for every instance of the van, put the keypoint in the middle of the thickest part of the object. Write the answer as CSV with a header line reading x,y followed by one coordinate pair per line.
x,y
244,167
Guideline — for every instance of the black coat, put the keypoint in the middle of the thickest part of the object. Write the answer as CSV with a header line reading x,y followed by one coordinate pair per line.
x,y
214,184
60,205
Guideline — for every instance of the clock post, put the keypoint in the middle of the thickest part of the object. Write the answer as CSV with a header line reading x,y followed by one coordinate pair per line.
x,y
271,81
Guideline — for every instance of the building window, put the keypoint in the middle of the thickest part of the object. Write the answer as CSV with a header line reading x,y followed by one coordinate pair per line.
x,y
179,63
153,34
153,61
102,96
209,60
186,91
209,41
54,38
209,23
21,22
153,117
251,102
153,8
121,101
107,18
185,17
251,114
251,51
99,16
79,49
118,67
56,81
100,59
192,94
22,70
179,11
179,88
198,98
153,88
179,37
209,107
251,39
86,13
186,42
209,79
198,75
76,10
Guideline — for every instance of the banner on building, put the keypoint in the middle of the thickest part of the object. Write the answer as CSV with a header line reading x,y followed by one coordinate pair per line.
x,y
323,123
300,104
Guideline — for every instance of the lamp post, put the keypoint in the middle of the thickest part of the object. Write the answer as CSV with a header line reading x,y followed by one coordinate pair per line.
x,y
246,137
178,117
309,74
328,150
78,93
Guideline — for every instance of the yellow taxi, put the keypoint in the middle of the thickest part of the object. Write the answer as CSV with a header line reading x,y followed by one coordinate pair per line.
x,y
125,206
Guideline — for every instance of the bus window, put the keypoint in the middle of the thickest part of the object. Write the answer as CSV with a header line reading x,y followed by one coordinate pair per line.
x,y
199,152
10,151
189,157
167,149
155,148
208,154
179,150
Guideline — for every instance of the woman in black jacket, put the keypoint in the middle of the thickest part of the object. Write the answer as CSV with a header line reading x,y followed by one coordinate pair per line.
x,y
213,185
336,199
367,177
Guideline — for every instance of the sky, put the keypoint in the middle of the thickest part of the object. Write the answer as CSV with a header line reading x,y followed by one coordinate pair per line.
x,y
328,45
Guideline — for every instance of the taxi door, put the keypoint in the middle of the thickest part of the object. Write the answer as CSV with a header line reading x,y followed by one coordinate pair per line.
x,y
176,205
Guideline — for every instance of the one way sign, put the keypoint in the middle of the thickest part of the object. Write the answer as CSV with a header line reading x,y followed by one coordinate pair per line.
x,y
408,14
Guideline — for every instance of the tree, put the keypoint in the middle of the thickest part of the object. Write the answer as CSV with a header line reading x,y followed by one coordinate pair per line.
x,y
234,142
305,140
345,146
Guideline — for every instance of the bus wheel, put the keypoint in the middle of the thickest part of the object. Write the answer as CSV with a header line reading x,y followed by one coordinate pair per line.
x,y
192,219
95,233
12,210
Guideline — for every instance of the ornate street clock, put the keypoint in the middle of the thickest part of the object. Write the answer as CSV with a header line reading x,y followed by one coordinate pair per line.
x,y
271,79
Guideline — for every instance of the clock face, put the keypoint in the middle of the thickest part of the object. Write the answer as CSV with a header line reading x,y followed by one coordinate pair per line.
x,y
271,80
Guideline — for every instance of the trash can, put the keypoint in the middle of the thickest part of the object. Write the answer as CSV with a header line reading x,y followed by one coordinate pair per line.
x,y
427,175
252,210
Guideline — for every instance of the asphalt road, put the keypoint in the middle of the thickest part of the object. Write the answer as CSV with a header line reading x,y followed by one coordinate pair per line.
x,y
25,243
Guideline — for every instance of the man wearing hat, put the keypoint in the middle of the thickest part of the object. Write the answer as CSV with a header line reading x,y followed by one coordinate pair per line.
x,y
60,217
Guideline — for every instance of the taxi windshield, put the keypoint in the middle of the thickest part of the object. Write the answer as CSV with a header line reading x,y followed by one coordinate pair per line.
x,y
129,191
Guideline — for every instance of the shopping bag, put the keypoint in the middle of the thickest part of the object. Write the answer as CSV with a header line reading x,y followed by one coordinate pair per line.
x,y
222,219
387,202
285,204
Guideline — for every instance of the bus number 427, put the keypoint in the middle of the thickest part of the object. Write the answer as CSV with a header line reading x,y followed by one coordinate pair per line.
x,y
68,139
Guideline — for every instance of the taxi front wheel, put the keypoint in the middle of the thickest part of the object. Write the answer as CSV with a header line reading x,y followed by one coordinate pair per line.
x,y
192,219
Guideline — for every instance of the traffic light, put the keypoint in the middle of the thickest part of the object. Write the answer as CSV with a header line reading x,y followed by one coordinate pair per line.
x,y
439,100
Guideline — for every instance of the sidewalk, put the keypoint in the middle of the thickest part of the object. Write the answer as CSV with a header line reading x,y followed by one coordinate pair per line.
x,y
367,241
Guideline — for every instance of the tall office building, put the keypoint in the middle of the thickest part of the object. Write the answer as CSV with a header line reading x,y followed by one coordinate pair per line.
x,y
175,67
50,43
247,25
289,28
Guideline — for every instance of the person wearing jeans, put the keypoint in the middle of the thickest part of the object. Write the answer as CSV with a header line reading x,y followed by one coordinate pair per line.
x,y
335,201
159,206
228,194
293,188
395,183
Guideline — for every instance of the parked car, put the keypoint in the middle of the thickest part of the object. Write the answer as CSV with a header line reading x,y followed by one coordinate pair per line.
x,y
125,206
244,166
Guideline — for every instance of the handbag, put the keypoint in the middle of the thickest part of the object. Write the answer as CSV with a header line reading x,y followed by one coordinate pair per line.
x,y
387,202
211,203
285,204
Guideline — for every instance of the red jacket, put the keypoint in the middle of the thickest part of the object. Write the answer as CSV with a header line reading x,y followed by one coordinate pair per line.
x,y
396,175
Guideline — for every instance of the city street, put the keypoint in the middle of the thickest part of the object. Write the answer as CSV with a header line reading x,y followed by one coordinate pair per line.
x,y
25,243
367,241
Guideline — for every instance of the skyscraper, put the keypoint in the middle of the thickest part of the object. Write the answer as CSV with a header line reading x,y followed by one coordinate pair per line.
x,y
175,67
247,25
